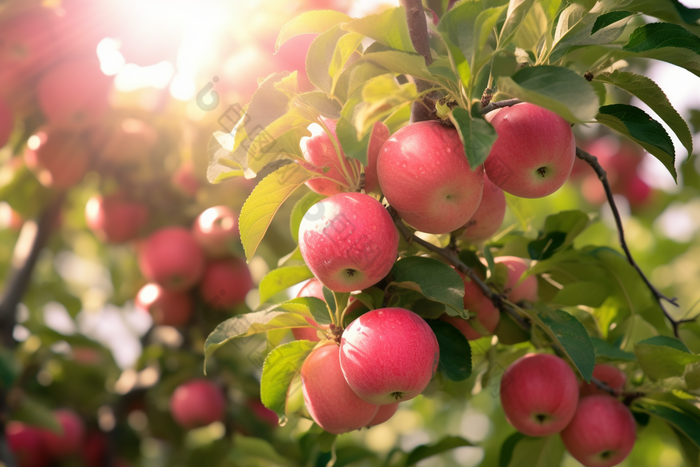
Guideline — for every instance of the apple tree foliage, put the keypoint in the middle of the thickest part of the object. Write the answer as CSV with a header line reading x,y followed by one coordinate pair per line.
x,y
582,60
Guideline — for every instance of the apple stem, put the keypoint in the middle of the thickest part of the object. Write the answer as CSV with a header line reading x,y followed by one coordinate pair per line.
x,y
658,295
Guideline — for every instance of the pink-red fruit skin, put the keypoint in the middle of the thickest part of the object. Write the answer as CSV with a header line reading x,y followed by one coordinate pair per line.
x,y
70,440
197,403
539,394
215,229
226,282
388,355
380,133
608,374
115,219
488,216
167,307
515,289
384,413
329,399
318,149
425,176
27,444
476,302
172,258
534,152
602,432
348,241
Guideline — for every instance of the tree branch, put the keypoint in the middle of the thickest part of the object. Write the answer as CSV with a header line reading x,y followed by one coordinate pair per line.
x,y
418,31
658,295
499,105
32,239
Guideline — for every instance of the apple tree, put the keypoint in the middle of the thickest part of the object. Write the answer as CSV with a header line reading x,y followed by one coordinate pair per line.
x,y
433,234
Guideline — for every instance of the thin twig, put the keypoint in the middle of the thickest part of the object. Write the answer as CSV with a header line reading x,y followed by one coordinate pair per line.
x,y
658,295
499,105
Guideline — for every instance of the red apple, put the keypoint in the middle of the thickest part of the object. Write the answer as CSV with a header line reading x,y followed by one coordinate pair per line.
x,y
602,432
197,403
128,140
388,355
608,374
225,283
185,180
329,399
318,150
488,216
313,288
172,258
6,123
27,444
70,441
349,241
59,158
94,449
380,133
539,393
27,46
215,229
425,176
384,413
534,152
167,307
476,302
515,289
637,191
74,94
114,218
263,413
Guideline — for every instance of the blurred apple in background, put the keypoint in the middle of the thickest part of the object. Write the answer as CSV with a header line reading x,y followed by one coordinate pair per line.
x,y
59,158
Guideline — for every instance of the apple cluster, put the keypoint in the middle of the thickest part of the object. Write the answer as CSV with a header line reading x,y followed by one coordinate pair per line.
x,y
175,260
37,447
621,161
384,357
541,396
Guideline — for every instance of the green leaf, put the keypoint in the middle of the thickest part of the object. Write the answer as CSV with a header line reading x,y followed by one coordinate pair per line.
x,y
508,447
299,211
664,357
388,28
560,231
319,59
281,279
517,10
401,62
326,106
280,367
291,314
545,246
265,200
638,126
582,32
609,352
611,17
679,414
310,22
428,450
691,452
251,451
535,452
455,353
344,49
33,413
661,35
570,335
477,136
555,88
268,104
591,294
652,95
269,144
381,96
434,279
